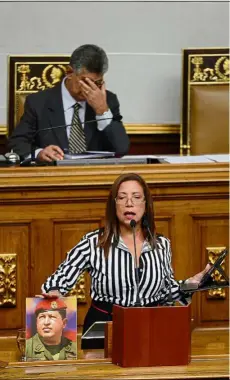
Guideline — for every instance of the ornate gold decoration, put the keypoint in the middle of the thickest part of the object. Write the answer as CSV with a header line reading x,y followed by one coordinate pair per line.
x,y
24,70
8,268
79,289
219,72
225,66
53,74
213,253
50,76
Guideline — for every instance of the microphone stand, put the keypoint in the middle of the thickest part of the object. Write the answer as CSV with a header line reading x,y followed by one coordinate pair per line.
x,y
133,225
146,224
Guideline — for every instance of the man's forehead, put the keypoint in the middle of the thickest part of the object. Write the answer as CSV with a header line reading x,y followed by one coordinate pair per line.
x,y
49,312
86,74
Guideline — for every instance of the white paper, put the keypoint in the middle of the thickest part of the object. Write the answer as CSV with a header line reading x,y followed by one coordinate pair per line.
x,y
218,157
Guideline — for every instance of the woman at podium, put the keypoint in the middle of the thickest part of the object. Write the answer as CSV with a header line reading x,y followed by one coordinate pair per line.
x,y
129,263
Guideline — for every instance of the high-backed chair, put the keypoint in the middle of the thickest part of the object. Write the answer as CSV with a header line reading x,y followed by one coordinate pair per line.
x,y
205,101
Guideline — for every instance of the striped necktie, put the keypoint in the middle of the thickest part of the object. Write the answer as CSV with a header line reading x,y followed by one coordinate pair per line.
x,y
77,143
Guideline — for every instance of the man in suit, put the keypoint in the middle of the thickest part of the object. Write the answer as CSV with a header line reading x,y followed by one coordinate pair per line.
x,y
49,343
80,97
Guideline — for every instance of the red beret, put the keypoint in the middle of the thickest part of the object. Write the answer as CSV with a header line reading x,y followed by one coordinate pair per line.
x,y
50,304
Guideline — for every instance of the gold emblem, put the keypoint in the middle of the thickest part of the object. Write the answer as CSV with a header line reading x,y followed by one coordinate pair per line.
x,y
222,68
53,305
53,74
218,72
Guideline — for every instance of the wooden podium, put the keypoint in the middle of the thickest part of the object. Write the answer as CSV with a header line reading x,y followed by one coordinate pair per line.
x,y
151,336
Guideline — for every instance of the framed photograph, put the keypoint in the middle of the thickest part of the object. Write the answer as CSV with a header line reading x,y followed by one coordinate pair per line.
x,y
51,328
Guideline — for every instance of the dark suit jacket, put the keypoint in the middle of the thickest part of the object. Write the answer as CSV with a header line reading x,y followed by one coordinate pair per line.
x,y
45,109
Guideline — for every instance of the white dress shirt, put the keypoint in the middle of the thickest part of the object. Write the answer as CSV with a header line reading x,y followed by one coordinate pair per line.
x,y
68,106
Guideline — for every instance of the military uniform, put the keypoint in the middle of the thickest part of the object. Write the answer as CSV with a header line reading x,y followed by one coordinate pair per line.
x,y
36,350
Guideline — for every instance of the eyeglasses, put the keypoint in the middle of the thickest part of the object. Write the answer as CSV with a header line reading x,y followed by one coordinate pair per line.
x,y
120,200
99,83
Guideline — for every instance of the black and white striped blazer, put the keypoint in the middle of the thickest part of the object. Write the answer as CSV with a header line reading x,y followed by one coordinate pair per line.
x,y
113,279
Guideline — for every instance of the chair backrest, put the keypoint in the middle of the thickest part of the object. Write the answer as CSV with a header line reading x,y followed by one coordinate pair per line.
x,y
30,74
205,102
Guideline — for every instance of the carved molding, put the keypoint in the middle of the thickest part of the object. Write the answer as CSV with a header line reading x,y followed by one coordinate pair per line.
x,y
213,253
79,290
8,285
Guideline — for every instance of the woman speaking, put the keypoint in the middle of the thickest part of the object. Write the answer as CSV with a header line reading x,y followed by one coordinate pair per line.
x,y
129,263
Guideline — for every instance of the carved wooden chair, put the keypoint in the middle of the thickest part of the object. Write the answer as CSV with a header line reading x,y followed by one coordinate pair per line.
x,y
205,103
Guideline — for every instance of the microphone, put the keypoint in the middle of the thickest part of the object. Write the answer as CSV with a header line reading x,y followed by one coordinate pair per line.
x,y
145,224
133,225
32,161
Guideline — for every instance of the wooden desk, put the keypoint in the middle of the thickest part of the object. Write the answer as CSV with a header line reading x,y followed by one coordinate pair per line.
x,y
209,361
44,211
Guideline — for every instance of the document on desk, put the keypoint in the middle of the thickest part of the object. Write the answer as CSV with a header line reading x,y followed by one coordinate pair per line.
x,y
186,159
88,154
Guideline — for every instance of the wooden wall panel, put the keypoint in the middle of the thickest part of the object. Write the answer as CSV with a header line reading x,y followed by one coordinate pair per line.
x,y
15,238
164,225
45,211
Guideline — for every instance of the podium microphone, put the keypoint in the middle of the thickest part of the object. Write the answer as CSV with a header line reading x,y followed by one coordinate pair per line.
x,y
133,225
145,224
32,161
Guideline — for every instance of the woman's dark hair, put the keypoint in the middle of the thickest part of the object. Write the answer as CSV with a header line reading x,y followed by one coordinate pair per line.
x,y
91,57
111,221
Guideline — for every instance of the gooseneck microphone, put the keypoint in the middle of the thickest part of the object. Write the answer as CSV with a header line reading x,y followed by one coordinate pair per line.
x,y
145,224
32,161
133,225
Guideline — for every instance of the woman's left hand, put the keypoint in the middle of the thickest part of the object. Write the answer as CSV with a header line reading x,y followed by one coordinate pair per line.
x,y
197,278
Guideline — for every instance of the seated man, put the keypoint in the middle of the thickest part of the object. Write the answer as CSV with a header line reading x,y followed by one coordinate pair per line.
x,y
79,98
49,343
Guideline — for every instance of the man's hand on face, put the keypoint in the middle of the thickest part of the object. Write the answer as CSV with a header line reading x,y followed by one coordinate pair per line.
x,y
95,96
50,153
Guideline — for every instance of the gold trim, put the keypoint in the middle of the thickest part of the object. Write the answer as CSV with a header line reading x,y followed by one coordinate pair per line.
x,y
135,129
207,83
39,55
148,129
3,130
8,282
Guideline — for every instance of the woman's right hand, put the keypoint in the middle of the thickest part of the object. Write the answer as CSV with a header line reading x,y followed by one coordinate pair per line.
x,y
51,294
